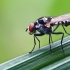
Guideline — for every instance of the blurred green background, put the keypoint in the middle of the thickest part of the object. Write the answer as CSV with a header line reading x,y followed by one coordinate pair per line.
x,y
16,15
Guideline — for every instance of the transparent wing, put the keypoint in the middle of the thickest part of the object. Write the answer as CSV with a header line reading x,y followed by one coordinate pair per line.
x,y
57,19
61,18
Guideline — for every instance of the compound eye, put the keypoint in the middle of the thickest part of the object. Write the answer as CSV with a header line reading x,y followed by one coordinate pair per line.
x,y
31,27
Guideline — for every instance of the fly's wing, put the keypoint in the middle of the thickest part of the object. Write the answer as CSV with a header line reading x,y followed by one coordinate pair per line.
x,y
61,18
57,19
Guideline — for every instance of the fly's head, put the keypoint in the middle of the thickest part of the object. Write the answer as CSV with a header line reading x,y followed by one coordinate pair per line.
x,y
30,28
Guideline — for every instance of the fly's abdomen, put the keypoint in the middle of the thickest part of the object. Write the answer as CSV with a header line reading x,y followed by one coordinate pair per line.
x,y
65,23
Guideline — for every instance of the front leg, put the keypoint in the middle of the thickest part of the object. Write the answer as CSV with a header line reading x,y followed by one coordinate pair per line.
x,y
40,34
34,45
35,36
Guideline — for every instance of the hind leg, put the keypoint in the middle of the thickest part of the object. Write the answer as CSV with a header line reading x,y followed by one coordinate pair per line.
x,y
65,30
61,39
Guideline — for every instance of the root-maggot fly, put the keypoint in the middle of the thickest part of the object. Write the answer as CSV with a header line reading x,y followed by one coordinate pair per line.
x,y
44,26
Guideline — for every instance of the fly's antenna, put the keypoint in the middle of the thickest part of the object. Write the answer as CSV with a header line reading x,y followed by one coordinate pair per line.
x,y
27,29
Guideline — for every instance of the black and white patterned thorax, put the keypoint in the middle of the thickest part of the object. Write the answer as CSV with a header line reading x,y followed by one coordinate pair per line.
x,y
42,21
